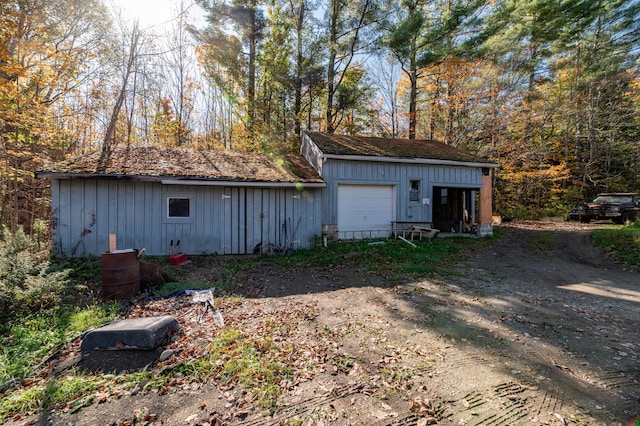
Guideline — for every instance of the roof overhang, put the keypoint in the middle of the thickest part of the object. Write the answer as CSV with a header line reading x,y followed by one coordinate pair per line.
x,y
175,180
429,161
252,184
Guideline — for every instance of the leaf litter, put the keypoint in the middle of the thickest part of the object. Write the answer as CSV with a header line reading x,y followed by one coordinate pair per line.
x,y
354,355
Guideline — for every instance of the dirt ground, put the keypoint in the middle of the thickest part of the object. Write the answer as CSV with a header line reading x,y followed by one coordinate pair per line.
x,y
528,330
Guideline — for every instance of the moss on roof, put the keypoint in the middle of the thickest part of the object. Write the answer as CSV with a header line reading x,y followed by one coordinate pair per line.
x,y
190,163
394,148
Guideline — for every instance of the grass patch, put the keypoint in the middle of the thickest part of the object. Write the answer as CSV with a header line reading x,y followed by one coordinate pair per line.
x,y
623,241
175,287
378,255
542,243
26,341
71,392
45,303
256,362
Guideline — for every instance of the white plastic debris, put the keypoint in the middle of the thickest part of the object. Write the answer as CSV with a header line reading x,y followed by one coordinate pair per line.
x,y
205,297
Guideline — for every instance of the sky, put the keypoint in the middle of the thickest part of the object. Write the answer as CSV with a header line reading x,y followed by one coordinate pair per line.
x,y
154,12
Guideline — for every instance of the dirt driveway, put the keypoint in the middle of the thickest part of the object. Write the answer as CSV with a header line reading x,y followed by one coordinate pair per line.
x,y
539,327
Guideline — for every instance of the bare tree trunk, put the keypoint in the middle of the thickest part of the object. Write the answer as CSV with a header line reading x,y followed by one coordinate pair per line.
x,y
110,141
448,132
413,102
131,110
331,70
336,76
253,42
297,106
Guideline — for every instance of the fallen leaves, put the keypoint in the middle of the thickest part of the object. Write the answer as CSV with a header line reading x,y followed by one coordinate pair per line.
x,y
141,417
424,407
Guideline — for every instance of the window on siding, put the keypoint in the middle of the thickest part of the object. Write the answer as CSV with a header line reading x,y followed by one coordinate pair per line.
x,y
178,207
414,190
444,196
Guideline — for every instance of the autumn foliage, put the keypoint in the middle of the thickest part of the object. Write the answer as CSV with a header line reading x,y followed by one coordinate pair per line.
x,y
549,91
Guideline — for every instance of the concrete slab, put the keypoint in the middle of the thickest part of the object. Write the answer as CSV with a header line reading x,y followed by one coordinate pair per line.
x,y
134,333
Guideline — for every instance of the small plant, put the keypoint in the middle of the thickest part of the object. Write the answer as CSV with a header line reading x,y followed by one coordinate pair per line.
x,y
624,242
254,361
27,340
26,283
542,243
175,287
343,362
74,391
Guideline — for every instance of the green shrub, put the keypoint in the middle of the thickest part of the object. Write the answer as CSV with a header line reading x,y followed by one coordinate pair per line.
x,y
624,242
26,282
557,208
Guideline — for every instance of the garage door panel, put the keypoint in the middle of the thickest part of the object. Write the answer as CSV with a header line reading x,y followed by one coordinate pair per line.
x,y
365,210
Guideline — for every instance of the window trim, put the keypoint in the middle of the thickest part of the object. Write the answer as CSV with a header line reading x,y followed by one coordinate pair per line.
x,y
167,197
444,196
413,192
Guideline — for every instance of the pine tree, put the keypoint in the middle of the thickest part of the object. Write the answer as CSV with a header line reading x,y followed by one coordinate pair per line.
x,y
229,49
424,33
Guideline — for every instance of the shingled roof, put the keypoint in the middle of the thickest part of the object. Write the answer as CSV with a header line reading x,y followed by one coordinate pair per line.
x,y
156,163
344,145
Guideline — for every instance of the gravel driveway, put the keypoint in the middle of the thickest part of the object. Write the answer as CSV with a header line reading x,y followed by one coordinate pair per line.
x,y
538,327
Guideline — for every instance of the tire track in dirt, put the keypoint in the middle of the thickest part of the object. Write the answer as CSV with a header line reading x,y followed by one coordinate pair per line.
x,y
574,313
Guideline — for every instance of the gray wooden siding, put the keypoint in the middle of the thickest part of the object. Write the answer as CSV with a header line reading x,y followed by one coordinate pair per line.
x,y
224,220
371,173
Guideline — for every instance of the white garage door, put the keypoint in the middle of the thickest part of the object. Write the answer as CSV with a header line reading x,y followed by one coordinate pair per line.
x,y
365,211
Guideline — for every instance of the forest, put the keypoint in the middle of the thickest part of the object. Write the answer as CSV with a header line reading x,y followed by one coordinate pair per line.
x,y
549,89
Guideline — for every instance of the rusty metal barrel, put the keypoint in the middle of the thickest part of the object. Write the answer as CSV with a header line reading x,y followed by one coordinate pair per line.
x,y
120,274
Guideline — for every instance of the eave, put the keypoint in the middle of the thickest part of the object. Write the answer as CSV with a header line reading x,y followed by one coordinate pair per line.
x,y
428,161
176,180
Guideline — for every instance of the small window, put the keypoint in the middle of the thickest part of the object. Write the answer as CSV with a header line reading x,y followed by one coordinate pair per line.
x,y
444,196
414,190
178,207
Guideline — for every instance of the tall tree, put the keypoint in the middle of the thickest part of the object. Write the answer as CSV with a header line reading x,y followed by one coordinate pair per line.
x,y
131,54
230,47
46,52
422,33
348,23
299,11
385,75
276,79
604,51
180,70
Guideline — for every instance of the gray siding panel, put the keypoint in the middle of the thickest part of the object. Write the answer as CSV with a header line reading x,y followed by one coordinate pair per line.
x,y
102,215
224,220
90,215
64,214
335,172
139,218
254,211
